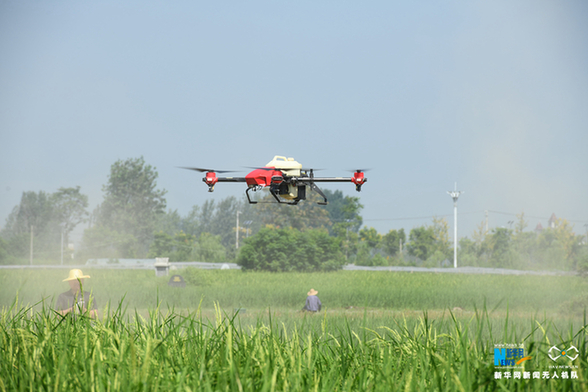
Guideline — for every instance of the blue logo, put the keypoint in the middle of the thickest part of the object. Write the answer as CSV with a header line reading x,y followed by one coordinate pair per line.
x,y
508,356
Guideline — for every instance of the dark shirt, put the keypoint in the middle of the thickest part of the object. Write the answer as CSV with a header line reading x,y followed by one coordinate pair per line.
x,y
67,299
313,303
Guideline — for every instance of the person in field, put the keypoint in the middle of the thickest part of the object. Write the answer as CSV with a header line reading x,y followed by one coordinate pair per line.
x,y
76,300
313,303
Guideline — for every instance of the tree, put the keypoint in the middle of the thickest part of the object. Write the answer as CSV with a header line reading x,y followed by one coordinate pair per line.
x,y
69,206
558,246
210,249
306,215
169,222
468,252
288,249
4,252
162,246
521,223
343,212
441,236
132,202
35,209
392,240
48,215
102,242
224,221
371,237
501,252
480,234
421,242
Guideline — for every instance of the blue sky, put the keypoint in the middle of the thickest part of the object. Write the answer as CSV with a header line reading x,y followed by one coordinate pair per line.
x,y
491,95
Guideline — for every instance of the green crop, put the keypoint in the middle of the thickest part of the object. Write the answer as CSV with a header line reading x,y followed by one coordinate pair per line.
x,y
170,351
235,331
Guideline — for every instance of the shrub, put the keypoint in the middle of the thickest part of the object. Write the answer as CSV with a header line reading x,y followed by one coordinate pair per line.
x,y
289,249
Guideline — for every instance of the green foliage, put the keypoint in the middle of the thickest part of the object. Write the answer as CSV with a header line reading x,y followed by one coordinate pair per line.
x,y
306,215
552,248
499,245
163,245
364,255
288,249
343,212
390,291
371,237
210,249
216,219
436,260
186,247
204,345
392,240
49,215
4,255
368,249
35,209
421,242
582,259
103,242
172,351
70,208
131,205
170,222
441,236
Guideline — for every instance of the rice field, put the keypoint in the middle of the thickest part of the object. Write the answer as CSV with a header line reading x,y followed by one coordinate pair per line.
x,y
235,331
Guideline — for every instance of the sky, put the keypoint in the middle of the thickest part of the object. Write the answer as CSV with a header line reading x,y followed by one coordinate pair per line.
x,y
492,96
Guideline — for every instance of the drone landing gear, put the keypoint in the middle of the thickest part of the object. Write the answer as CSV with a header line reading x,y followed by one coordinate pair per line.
x,y
275,192
318,190
255,189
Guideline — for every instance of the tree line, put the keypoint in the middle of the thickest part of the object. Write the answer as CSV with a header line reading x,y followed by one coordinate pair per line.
x,y
133,222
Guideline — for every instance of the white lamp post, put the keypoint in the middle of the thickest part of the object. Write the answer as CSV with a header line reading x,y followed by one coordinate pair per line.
x,y
237,241
455,195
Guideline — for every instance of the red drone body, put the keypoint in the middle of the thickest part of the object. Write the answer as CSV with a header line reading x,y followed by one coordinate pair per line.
x,y
286,179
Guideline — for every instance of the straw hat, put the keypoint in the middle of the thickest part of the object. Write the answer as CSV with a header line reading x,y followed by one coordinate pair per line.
x,y
312,292
75,274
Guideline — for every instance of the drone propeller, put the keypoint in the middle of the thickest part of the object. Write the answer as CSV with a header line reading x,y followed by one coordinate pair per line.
x,y
310,169
304,169
359,170
260,168
206,170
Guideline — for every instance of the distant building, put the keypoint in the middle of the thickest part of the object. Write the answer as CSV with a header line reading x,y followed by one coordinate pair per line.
x,y
551,223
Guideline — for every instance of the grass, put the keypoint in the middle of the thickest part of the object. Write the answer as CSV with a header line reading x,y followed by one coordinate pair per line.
x,y
380,331
169,351
338,290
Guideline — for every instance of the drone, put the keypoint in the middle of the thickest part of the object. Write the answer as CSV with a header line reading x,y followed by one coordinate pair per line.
x,y
285,178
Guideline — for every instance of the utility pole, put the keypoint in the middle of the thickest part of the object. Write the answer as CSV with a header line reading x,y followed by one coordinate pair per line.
x,y
486,221
237,241
455,195
61,246
247,224
31,250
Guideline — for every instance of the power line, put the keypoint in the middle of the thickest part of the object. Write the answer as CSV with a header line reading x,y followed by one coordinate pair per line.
x,y
422,217
536,217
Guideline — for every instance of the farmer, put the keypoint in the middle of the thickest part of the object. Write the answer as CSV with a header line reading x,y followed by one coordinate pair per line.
x,y
313,303
76,300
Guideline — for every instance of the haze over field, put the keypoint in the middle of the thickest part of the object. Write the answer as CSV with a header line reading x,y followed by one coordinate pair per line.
x,y
492,96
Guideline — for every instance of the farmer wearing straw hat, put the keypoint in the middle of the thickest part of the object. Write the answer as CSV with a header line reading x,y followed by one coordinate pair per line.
x,y
76,300
313,303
